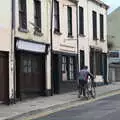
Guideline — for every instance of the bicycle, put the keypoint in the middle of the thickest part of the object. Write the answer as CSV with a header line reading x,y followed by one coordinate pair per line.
x,y
89,90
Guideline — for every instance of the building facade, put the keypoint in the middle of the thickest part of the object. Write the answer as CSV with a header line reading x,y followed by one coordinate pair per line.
x,y
47,42
97,16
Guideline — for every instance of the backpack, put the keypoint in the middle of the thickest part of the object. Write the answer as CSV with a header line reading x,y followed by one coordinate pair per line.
x,y
83,75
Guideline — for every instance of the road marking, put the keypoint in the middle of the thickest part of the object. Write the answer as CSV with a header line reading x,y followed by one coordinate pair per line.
x,y
71,105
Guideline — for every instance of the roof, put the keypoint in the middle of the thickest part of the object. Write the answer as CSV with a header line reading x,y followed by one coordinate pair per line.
x,y
101,3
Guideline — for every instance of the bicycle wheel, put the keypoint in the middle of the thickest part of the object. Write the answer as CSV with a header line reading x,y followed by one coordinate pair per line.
x,y
93,92
79,91
87,92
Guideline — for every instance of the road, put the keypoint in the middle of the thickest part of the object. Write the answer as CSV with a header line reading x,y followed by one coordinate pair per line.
x,y
105,109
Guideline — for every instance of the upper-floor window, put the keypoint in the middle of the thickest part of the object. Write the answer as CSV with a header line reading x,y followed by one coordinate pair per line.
x,y
56,16
94,17
22,14
69,13
101,27
37,16
81,20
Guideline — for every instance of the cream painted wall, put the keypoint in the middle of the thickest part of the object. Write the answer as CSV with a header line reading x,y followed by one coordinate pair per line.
x,y
5,25
45,13
83,40
100,10
62,42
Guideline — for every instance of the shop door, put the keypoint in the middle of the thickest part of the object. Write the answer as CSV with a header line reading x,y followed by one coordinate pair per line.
x,y
4,78
32,75
55,74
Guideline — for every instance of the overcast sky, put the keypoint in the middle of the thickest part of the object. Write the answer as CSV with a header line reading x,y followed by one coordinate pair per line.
x,y
112,3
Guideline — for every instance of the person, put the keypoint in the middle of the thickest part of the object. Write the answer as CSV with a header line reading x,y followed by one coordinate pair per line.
x,y
83,79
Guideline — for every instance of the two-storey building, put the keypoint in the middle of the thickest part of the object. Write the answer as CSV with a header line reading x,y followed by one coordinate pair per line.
x,y
97,37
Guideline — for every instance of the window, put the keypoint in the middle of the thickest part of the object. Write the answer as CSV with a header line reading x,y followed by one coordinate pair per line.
x,y
56,16
27,65
101,27
94,15
22,14
69,11
82,59
37,16
68,68
64,68
81,21
71,68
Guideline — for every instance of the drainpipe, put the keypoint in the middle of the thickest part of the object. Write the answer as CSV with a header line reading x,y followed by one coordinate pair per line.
x,y
77,35
51,45
12,51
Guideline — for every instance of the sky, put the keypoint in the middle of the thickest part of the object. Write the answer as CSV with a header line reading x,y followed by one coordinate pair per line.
x,y
113,4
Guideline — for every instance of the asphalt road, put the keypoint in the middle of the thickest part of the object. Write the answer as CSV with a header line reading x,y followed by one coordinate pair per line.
x,y
105,109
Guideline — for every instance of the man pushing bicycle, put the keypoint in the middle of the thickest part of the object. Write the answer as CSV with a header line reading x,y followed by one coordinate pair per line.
x,y
83,80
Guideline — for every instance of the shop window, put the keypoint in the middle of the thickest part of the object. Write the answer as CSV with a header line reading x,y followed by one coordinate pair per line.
x,y
27,66
71,68
64,68
67,68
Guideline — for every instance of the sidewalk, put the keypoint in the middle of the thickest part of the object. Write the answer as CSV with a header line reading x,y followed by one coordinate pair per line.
x,y
43,103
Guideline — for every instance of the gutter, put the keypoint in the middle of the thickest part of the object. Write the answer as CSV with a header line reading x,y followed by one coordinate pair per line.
x,y
51,45
12,51
77,36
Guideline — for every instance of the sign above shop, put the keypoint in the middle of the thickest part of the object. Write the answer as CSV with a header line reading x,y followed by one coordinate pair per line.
x,y
30,46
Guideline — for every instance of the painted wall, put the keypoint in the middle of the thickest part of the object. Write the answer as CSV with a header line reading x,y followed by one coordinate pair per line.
x,y
83,40
5,25
100,10
63,42
45,13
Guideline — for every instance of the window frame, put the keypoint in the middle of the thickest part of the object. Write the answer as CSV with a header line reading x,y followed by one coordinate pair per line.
x,y
94,19
101,27
37,16
81,20
22,14
56,17
69,14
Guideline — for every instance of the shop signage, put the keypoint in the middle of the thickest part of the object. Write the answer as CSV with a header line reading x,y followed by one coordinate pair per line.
x,y
30,46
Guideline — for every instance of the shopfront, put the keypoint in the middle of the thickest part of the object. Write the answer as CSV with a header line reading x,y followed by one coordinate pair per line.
x,y
64,72
30,69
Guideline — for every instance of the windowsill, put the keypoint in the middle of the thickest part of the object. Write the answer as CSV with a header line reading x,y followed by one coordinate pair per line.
x,y
38,33
68,81
70,36
102,40
95,39
81,35
57,32
23,30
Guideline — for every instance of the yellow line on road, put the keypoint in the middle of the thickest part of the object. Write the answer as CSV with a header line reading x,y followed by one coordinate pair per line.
x,y
74,104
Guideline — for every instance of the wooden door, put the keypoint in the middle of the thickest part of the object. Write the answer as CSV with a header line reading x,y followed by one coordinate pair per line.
x,y
4,77
31,74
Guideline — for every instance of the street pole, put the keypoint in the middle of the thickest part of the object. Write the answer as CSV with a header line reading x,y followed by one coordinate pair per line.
x,y
77,36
